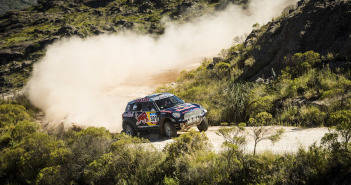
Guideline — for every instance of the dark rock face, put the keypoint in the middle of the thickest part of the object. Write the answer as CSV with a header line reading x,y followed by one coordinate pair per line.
x,y
3,7
67,30
323,26
215,61
15,5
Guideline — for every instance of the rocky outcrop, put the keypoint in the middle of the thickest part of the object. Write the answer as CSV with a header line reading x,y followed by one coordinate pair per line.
x,y
323,26
4,7
15,5
67,30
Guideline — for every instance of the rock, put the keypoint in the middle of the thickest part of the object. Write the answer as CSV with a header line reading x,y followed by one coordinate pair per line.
x,y
184,6
5,55
98,12
114,10
67,30
121,22
301,32
124,23
12,53
109,28
3,7
144,8
252,37
48,41
40,45
97,30
215,61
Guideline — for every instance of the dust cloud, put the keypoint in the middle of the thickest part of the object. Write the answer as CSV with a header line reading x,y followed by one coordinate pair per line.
x,y
87,82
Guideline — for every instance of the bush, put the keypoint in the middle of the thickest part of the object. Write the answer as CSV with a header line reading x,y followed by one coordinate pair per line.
x,y
201,167
309,167
311,116
128,162
188,143
301,63
23,129
50,175
12,114
237,102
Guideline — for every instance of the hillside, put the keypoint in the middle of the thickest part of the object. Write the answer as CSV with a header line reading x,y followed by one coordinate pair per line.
x,y
320,26
8,5
295,70
299,61
24,34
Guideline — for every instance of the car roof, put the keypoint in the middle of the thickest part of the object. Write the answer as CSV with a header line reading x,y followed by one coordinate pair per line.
x,y
152,97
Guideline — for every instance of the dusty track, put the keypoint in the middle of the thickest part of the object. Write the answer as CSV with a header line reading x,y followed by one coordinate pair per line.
x,y
291,141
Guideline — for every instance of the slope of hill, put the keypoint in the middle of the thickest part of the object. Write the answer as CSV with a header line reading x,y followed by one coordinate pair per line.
x,y
7,5
321,26
24,34
300,61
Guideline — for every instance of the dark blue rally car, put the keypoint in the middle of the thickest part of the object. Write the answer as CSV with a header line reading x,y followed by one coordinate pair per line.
x,y
164,112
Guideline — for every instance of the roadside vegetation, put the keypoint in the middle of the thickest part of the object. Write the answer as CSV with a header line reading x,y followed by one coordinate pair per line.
x,y
306,93
31,155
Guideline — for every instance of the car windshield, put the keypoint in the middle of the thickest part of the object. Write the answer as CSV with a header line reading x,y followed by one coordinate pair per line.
x,y
168,102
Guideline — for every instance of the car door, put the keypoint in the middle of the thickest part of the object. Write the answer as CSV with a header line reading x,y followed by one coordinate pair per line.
x,y
151,114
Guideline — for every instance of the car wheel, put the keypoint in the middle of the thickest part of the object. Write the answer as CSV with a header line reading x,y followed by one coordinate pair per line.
x,y
170,129
203,125
128,129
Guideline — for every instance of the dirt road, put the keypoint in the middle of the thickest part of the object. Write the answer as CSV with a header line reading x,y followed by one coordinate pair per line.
x,y
291,141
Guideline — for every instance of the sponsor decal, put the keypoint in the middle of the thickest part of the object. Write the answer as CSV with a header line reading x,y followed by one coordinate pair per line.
x,y
149,118
153,118
142,100
128,114
165,111
184,107
142,119
189,110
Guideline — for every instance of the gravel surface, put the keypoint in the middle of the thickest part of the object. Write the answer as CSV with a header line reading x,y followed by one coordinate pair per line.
x,y
291,140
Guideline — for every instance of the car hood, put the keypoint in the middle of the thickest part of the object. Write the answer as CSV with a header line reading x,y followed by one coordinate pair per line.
x,y
182,108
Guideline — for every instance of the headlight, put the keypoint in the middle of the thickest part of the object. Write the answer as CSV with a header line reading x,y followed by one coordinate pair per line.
x,y
176,114
203,109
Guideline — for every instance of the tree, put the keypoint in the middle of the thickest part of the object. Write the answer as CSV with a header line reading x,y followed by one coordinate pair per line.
x,y
260,131
342,120
233,135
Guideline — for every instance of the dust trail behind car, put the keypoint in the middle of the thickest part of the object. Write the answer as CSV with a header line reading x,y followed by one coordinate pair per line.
x,y
87,81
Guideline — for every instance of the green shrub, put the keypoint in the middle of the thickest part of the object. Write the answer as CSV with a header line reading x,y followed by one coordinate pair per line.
x,y
198,168
289,116
309,167
12,114
23,129
237,102
301,63
187,143
342,120
50,175
311,116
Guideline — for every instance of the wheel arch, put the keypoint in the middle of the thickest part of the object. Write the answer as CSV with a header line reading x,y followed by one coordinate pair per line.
x,y
125,121
162,124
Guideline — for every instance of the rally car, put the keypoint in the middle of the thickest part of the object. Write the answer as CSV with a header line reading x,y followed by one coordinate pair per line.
x,y
164,112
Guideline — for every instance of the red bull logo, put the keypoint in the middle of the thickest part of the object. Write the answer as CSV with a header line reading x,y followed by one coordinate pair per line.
x,y
142,118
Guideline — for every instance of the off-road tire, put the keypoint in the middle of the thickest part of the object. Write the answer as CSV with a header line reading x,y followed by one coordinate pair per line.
x,y
203,125
170,130
128,129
